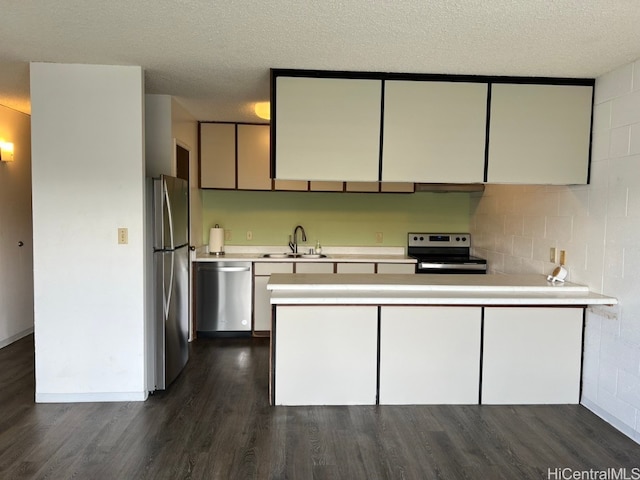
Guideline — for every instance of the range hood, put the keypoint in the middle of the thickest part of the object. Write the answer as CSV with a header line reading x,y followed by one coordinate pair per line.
x,y
449,187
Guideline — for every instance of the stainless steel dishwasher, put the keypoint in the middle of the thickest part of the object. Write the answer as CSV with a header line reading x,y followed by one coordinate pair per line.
x,y
223,299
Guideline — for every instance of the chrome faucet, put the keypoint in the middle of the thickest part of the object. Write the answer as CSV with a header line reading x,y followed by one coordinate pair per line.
x,y
293,245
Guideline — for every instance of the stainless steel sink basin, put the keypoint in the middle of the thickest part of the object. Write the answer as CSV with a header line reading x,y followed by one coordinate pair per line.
x,y
294,255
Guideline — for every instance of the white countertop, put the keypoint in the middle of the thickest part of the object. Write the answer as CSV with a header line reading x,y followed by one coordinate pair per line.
x,y
333,254
372,289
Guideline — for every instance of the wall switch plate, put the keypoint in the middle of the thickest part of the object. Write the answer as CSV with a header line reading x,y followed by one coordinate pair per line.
x,y
227,234
249,235
379,237
123,236
563,257
553,255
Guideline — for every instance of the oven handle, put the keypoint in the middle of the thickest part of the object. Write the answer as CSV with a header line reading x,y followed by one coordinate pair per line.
x,y
454,266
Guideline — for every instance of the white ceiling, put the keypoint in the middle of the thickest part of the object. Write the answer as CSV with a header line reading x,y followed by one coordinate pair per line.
x,y
215,55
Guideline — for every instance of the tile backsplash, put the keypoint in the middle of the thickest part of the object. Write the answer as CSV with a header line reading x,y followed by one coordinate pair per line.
x,y
598,225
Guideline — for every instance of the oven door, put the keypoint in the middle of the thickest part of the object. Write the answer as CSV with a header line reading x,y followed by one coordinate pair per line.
x,y
435,267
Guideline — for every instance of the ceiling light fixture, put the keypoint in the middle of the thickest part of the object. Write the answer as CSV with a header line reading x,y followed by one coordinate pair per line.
x,y
263,110
6,152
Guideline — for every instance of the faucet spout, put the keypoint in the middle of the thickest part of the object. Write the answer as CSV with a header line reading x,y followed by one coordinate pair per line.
x,y
295,237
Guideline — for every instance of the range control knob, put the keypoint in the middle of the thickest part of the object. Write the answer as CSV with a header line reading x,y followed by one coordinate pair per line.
x,y
457,239
421,239
415,238
464,239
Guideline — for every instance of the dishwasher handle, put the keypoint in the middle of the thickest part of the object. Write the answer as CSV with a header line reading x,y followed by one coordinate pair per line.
x,y
228,269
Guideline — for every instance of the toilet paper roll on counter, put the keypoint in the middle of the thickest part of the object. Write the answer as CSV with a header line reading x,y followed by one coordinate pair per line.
x,y
216,241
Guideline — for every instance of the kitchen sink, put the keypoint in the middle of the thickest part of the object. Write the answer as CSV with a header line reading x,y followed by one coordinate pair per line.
x,y
294,255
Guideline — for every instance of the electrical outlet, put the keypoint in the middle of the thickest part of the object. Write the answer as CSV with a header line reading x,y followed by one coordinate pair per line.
x,y
563,257
249,235
227,234
553,255
379,237
123,236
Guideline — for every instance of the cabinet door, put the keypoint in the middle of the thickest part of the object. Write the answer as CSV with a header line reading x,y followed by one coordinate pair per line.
x,y
253,157
314,267
396,268
434,131
291,185
362,187
217,155
430,355
326,355
397,187
327,128
539,134
531,355
261,305
355,268
325,186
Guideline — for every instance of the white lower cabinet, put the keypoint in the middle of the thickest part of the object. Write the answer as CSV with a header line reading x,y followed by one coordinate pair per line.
x,y
326,355
396,268
261,304
532,355
430,355
355,268
313,267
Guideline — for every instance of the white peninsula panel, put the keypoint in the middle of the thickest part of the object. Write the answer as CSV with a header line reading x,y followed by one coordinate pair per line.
x,y
430,355
326,356
532,355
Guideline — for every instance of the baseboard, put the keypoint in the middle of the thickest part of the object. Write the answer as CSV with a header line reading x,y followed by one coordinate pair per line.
x,y
613,421
91,397
16,337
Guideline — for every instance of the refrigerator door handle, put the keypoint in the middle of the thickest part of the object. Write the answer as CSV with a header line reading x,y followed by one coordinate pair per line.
x,y
169,213
167,296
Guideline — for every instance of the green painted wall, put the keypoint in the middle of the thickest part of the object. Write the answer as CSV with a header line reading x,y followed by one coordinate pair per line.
x,y
349,219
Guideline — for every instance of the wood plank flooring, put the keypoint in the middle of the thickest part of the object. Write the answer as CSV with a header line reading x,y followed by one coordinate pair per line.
x,y
215,423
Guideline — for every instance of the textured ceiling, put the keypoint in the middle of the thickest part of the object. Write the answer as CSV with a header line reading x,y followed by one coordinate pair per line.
x,y
214,56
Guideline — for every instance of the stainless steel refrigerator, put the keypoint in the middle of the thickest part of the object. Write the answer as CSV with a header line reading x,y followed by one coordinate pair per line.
x,y
171,278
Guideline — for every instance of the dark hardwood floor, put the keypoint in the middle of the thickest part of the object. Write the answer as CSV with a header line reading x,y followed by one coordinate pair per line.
x,y
215,423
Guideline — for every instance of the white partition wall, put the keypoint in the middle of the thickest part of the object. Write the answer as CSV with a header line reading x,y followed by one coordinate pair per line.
x,y
88,181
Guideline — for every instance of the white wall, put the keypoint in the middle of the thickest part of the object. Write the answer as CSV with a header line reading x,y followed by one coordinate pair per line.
x,y
167,122
88,180
599,227
16,263
160,157
185,130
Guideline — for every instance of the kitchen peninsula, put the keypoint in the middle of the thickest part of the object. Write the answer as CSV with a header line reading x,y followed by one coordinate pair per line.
x,y
340,339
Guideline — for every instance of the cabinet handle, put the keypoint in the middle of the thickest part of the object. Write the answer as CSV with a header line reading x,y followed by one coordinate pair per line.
x,y
20,243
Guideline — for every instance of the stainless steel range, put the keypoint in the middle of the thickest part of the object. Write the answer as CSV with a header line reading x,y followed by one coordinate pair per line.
x,y
444,253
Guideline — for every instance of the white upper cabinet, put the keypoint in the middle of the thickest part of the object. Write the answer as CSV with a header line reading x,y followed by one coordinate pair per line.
x,y
253,157
217,155
327,128
539,134
434,132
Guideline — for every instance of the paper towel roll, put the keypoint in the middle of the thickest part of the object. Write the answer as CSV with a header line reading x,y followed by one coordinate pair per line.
x,y
216,240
